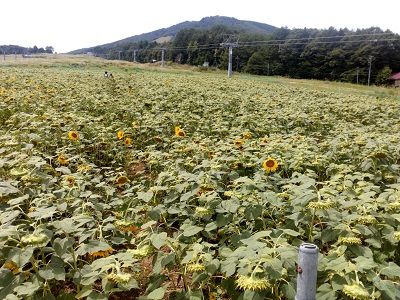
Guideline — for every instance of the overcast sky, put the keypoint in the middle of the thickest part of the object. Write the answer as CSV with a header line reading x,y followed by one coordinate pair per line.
x,y
73,24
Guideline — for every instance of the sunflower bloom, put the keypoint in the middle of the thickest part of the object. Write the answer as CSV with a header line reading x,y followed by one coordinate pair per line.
x,y
356,292
252,283
179,131
101,253
128,141
62,160
73,135
121,180
396,235
270,165
202,212
120,134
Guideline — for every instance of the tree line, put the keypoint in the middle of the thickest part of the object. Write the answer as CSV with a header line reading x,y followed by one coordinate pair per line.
x,y
327,54
13,49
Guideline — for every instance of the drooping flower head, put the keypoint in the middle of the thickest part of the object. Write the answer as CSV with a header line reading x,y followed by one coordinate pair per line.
x,y
252,283
350,240
356,292
121,180
121,278
195,267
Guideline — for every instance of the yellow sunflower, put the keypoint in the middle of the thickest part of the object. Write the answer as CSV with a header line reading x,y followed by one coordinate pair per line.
x,y
239,142
73,135
62,160
101,253
120,134
128,141
270,165
122,180
179,131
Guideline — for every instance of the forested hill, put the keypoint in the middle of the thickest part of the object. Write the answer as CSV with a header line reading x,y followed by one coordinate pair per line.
x,y
171,32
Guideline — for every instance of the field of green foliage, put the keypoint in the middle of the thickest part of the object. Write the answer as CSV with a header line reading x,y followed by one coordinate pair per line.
x,y
186,185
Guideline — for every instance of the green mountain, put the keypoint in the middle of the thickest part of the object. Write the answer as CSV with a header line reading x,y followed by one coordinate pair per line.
x,y
166,34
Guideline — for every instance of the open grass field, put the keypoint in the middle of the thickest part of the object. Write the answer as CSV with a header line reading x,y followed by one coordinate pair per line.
x,y
177,184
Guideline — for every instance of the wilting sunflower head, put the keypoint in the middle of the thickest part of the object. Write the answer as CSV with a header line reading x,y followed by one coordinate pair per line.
x,y
83,168
34,239
121,180
356,292
62,160
202,212
321,204
195,267
239,142
12,266
101,253
270,165
141,252
73,135
126,226
121,278
179,131
350,240
120,134
69,180
366,220
252,283
247,135
394,205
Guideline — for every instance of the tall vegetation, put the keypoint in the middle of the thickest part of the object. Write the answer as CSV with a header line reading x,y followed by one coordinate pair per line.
x,y
331,54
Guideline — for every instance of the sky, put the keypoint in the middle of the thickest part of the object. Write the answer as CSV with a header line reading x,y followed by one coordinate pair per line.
x,y
73,24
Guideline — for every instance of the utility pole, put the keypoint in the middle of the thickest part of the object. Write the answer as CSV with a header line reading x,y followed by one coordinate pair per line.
x,y
134,55
162,56
357,73
268,69
230,45
369,70
119,55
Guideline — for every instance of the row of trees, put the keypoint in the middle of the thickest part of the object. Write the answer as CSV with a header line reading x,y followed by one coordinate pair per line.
x,y
332,54
13,49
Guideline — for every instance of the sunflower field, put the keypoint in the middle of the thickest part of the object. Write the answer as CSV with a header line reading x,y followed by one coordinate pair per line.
x,y
186,185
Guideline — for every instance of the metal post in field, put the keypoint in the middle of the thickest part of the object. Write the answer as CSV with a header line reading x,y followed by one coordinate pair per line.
x,y
307,272
134,55
162,56
230,45
357,74
369,70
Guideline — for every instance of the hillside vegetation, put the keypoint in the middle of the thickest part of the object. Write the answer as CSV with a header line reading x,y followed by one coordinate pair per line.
x,y
169,183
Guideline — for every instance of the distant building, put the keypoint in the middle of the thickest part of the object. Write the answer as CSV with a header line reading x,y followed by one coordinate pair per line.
x,y
396,78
